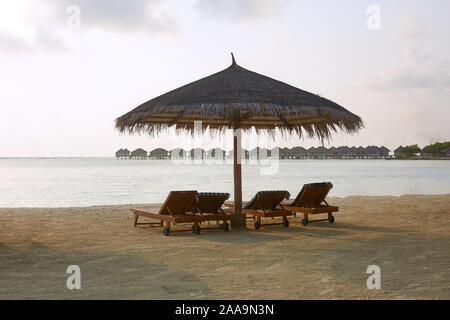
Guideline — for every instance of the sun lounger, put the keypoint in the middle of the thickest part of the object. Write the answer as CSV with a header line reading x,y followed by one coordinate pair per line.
x,y
176,209
264,205
311,200
209,206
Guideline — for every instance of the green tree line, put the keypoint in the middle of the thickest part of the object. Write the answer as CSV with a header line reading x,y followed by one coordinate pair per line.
x,y
435,149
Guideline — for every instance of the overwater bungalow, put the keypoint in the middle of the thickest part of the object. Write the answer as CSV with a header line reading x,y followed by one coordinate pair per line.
x,y
398,152
298,153
215,153
321,152
343,152
311,153
372,152
384,152
123,154
139,153
361,152
258,153
159,153
283,153
353,152
197,153
332,153
445,152
178,153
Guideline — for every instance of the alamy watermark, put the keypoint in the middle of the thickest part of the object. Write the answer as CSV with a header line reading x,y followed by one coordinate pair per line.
x,y
374,281
74,280
265,157
373,21
73,21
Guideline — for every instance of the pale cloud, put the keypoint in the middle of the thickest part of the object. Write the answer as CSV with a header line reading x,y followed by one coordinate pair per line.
x,y
41,25
133,15
419,70
410,26
240,10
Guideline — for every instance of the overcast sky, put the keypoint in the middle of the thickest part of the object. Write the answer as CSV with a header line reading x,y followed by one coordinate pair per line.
x,y
61,87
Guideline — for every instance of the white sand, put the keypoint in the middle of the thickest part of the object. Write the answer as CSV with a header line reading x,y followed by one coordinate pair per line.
x,y
407,236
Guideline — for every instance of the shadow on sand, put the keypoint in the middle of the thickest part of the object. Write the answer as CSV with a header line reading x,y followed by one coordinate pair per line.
x,y
39,272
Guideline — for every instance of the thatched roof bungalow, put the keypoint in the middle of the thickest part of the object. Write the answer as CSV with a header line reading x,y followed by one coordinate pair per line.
x,y
332,153
139,153
197,153
321,152
372,152
159,153
398,152
361,152
384,152
284,153
123,154
445,152
298,153
311,152
353,152
215,153
178,153
343,151
258,153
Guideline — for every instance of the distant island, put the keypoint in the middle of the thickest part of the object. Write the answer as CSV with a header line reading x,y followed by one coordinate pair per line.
x,y
436,150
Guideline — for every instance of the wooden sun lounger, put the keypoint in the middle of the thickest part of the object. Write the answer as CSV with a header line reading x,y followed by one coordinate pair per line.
x,y
265,205
209,206
311,200
176,209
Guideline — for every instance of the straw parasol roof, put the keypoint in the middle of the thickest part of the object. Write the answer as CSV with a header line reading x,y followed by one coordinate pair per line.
x,y
239,98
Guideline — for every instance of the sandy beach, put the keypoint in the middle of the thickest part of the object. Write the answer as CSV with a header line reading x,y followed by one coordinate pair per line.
x,y
407,237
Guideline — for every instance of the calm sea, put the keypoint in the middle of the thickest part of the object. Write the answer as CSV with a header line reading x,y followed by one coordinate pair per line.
x,y
95,181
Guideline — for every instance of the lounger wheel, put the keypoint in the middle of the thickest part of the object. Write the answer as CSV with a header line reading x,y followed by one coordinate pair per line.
x,y
286,223
305,221
196,230
166,231
226,227
257,225
331,219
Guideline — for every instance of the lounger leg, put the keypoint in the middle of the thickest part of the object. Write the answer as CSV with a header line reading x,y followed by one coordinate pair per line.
x,y
196,228
330,217
305,219
162,224
135,219
166,230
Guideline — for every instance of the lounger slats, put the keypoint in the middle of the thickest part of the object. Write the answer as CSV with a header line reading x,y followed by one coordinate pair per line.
x,y
188,207
310,201
210,203
264,205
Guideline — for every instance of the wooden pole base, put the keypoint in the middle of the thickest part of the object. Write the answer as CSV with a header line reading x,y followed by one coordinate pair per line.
x,y
238,221
237,218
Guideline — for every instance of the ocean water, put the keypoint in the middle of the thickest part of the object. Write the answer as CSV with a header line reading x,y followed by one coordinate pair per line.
x,y
67,182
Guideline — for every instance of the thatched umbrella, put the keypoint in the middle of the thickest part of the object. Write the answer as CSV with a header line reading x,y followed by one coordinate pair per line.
x,y
236,98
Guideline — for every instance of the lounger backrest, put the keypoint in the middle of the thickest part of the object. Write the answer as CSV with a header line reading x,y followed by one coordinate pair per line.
x,y
208,202
178,202
266,200
312,194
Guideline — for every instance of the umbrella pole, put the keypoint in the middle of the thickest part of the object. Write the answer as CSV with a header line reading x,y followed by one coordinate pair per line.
x,y
237,218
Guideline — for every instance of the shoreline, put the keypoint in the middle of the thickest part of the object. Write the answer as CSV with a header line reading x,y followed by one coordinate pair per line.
x,y
405,236
331,198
